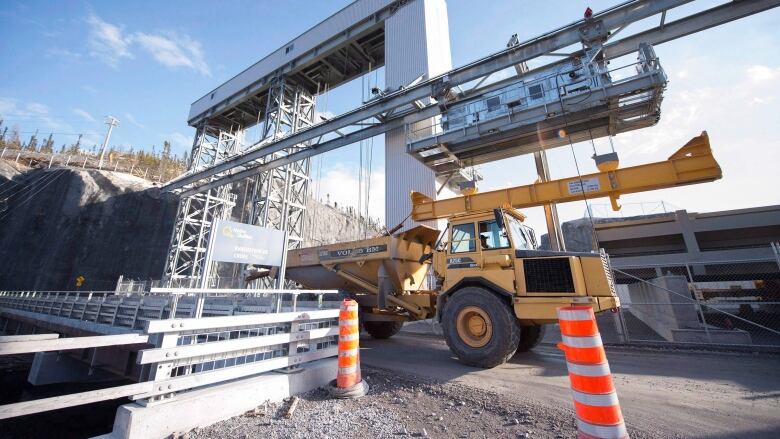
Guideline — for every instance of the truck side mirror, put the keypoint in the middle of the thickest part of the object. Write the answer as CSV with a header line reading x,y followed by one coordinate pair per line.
x,y
499,214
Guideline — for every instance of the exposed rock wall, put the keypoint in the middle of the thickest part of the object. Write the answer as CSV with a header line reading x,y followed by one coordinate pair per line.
x,y
68,222
58,224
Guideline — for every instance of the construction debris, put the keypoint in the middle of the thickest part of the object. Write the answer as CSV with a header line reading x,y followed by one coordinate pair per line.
x,y
293,406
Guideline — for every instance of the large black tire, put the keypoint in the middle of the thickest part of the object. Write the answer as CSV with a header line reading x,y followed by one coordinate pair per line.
x,y
382,330
480,328
530,336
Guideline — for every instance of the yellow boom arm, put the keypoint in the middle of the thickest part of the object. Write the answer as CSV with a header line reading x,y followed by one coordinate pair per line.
x,y
693,163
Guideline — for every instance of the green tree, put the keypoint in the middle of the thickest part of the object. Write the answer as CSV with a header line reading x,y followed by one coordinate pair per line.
x,y
48,145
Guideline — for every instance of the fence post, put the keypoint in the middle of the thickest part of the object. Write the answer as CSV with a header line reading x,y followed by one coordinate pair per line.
x,y
776,251
692,289
51,160
17,157
3,153
85,162
68,160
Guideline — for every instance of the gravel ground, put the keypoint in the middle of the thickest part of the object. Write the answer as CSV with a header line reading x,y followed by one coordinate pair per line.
x,y
398,406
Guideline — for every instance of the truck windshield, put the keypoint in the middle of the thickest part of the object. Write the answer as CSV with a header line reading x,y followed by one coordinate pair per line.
x,y
490,236
518,235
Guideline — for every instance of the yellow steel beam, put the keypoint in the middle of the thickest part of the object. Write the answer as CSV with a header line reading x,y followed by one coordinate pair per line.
x,y
693,163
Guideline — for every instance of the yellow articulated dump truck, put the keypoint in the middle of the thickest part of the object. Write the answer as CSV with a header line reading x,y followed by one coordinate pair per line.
x,y
483,277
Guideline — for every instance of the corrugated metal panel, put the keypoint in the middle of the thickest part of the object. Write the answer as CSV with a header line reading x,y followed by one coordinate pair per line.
x,y
330,27
416,43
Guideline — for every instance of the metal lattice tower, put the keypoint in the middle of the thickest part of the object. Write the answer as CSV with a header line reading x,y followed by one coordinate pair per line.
x,y
279,195
196,213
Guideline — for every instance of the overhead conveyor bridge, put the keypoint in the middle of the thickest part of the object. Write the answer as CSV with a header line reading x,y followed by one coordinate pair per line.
x,y
422,100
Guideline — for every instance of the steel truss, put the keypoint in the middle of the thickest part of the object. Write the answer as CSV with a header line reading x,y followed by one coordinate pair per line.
x,y
394,109
187,251
279,194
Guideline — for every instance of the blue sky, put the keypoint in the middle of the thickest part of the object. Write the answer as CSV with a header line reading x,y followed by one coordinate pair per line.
x,y
66,65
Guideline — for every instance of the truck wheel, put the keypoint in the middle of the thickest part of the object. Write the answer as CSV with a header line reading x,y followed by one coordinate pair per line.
x,y
382,330
480,328
530,336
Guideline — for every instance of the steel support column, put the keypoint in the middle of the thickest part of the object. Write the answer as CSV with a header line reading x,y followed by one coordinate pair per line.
x,y
279,194
197,212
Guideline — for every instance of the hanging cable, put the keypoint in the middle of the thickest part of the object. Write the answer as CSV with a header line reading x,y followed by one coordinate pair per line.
x,y
592,143
54,176
576,164
20,187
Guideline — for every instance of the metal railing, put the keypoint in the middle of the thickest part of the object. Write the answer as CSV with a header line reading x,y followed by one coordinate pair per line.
x,y
196,352
132,310
478,110
87,161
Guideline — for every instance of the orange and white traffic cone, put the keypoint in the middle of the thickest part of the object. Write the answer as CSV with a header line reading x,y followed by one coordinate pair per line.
x,y
595,400
349,383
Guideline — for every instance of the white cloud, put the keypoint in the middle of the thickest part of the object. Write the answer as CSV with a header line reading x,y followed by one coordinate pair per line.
x,y
84,115
110,44
180,139
759,73
132,120
107,42
340,184
30,116
59,52
37,108
173,50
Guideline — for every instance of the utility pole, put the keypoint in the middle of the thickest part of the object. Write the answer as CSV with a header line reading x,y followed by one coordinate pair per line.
x,y
112,122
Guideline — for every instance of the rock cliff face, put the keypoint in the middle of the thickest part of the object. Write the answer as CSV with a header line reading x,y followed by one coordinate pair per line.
x,y
58,224
62,223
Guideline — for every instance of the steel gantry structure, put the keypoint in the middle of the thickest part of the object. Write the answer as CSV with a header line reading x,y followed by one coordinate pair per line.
x,y
601,37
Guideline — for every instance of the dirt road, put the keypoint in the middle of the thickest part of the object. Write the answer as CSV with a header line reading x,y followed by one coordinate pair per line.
x,y
671,393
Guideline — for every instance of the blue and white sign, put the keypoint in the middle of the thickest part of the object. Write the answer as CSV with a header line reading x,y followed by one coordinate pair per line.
x,y
247,244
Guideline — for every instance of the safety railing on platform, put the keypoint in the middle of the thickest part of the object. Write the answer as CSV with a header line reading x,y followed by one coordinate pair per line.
x,y
530,93
192,353
132,310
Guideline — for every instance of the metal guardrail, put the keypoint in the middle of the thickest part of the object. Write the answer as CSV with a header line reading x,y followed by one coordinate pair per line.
x,y
198,352
194,352
132,310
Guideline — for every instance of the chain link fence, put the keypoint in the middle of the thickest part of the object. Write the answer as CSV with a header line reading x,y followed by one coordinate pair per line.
x,y
710,303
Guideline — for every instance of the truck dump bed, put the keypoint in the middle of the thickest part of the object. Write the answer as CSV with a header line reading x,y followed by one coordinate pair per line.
x,y
393,261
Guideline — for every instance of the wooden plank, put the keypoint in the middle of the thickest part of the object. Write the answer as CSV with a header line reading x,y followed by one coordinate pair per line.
x,y
29,337
191,381
74,399
196,350
175,325
64,344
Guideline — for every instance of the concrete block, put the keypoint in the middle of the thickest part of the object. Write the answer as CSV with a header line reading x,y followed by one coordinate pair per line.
x,y
663,305
207,406
716,336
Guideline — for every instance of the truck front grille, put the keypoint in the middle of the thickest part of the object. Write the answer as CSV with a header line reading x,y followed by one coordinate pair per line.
x,y
548,275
